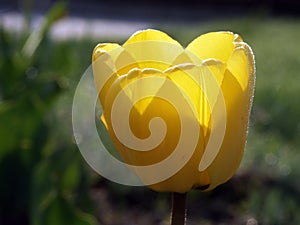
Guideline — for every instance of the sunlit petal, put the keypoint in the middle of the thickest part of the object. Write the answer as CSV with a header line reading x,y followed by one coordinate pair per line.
x,y
217,45
153,49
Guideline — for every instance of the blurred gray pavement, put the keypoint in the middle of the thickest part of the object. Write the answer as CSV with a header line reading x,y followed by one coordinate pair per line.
x,y
76,27
120,18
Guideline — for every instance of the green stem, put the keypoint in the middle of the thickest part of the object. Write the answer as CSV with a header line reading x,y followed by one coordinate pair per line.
x,y
178,215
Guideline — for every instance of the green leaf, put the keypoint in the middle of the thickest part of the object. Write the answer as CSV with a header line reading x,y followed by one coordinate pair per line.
x,y
34,40
61,212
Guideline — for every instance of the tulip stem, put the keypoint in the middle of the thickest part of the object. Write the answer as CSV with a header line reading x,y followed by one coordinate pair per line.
x,y
178,215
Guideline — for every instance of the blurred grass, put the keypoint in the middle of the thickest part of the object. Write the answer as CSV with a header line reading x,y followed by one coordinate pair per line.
x,y
46,181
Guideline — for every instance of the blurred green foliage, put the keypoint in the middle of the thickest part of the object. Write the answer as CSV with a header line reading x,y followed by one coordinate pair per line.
x,y
44,179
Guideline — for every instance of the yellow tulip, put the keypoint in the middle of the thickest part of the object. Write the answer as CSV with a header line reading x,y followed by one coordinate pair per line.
x,y
151,87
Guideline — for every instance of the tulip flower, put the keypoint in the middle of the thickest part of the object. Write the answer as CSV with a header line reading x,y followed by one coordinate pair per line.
x,y
178,116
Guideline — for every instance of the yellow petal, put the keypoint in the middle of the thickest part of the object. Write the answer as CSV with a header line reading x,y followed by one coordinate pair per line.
x,y
237,90
187,57
153,49
123,62
104,73
240,62
217,45
200,85
115,49
138,108
110,61
142,87
150,35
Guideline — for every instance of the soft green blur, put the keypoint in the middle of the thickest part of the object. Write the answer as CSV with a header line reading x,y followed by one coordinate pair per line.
x,y
44,179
